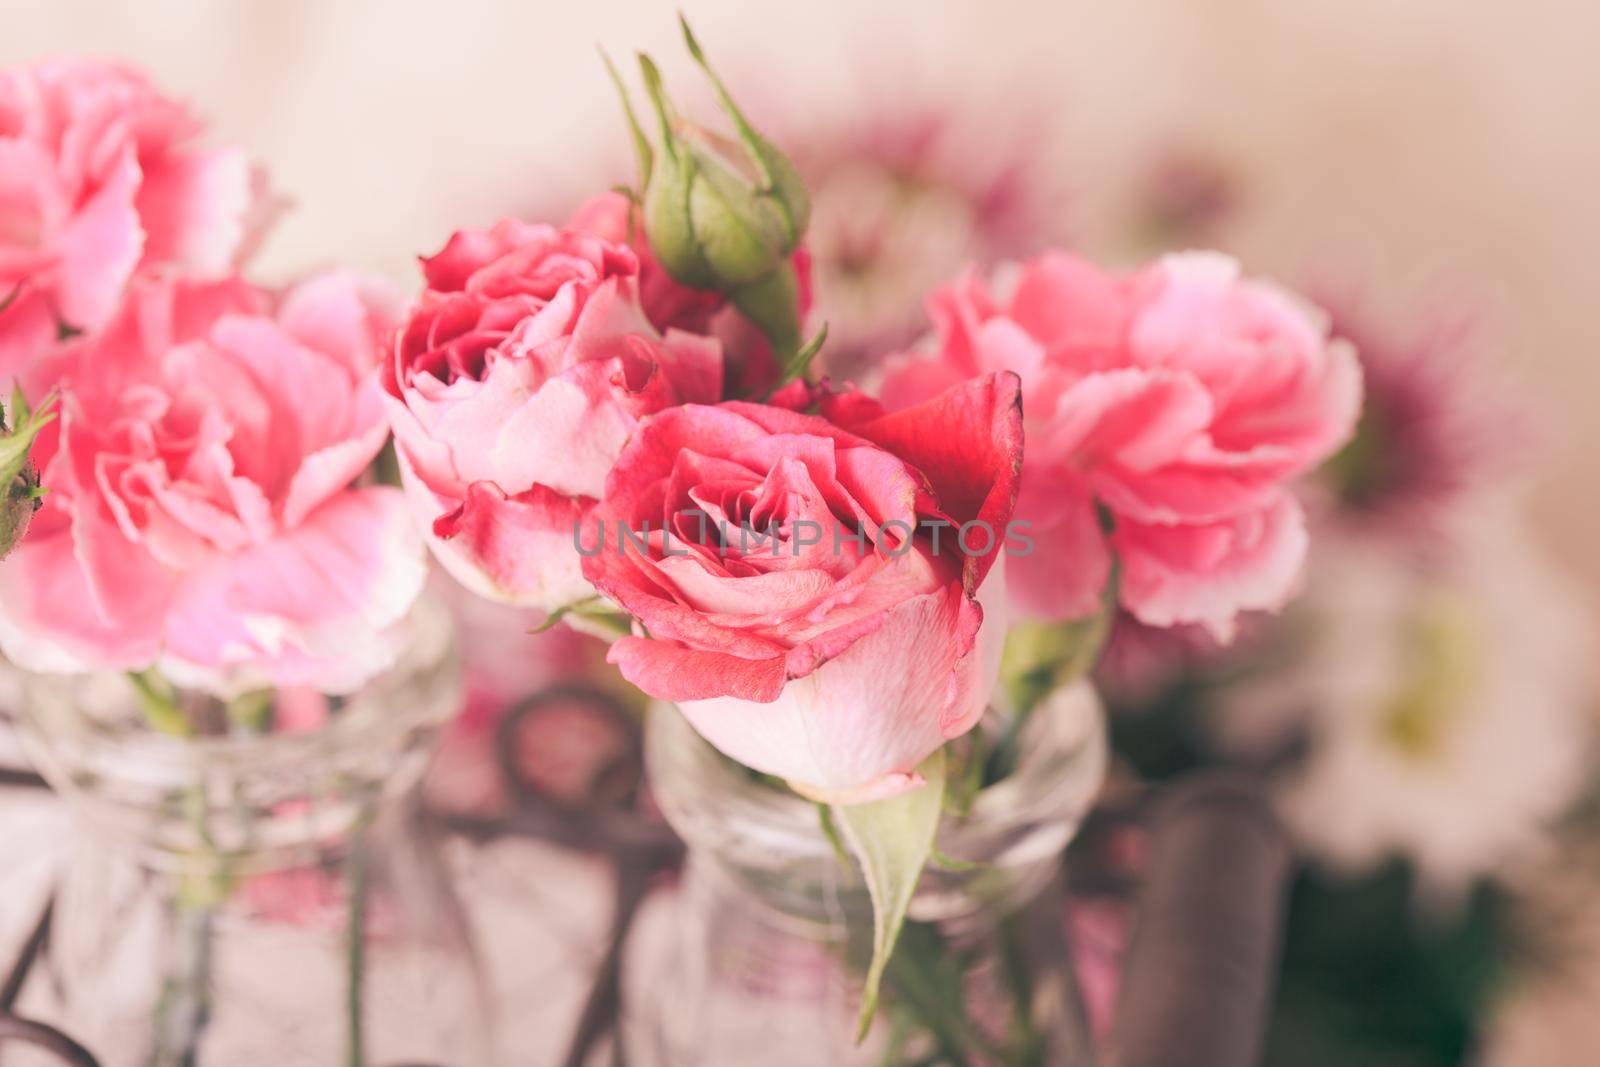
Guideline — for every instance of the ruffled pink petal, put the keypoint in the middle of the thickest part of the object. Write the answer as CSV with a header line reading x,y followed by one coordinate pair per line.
x,y
343,315
328,470
27,333
1058,562
313,605
51,619
98,251
198,208
1208,574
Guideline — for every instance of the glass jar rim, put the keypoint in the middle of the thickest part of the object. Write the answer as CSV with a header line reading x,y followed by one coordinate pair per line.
x,y
687,772
52,701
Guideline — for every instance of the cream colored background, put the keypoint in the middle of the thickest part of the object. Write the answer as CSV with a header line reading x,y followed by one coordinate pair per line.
x,y
1405,140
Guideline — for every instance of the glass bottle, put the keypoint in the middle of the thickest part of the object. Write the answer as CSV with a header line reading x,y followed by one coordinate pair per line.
x,y
246,896
757,957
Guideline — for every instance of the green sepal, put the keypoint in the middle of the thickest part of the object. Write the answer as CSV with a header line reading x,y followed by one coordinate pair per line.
x,y
19,432
740,232
668,223
595,616
641,144
892,840
950,863
780,180
830,830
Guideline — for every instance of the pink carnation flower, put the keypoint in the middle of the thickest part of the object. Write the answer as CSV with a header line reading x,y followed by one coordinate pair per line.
x,y
98,177
1166,412
201,511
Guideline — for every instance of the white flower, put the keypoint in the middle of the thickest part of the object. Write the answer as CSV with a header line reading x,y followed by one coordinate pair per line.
x,y
1447,712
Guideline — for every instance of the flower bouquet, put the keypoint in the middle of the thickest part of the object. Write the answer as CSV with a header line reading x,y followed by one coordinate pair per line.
x,y
865,615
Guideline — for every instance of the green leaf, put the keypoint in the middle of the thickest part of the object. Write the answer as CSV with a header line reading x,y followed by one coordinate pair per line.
x,y
892,839
830,830
950,863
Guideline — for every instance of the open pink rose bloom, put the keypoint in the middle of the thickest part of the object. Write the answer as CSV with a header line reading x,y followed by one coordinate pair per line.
x,y
519,376
811,599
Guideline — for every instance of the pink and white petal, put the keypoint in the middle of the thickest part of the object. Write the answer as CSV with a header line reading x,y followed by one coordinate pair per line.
x,y
316,603
875,709
422,458
329,469
1062,575
198,209
567,435
518,549
669,671
49,620
98,251
343,315
1207,574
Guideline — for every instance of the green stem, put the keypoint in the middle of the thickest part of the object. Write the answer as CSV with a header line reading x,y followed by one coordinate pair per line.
x,y
356,954
1015,962
158,701
184,1009
926,977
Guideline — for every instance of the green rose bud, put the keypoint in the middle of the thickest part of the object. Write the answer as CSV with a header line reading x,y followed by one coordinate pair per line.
x,y
18,476
723,214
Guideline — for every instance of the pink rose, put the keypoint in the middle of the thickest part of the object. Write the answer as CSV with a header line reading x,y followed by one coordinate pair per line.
x,y
1175,404
519,375
201,512
97,178
848,645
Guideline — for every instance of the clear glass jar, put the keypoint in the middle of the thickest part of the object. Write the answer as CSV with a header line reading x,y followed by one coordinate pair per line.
x,y
206,913
757,958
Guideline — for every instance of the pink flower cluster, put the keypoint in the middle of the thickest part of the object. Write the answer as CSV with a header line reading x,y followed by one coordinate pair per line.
x,y
1167,412
203,511
207,514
